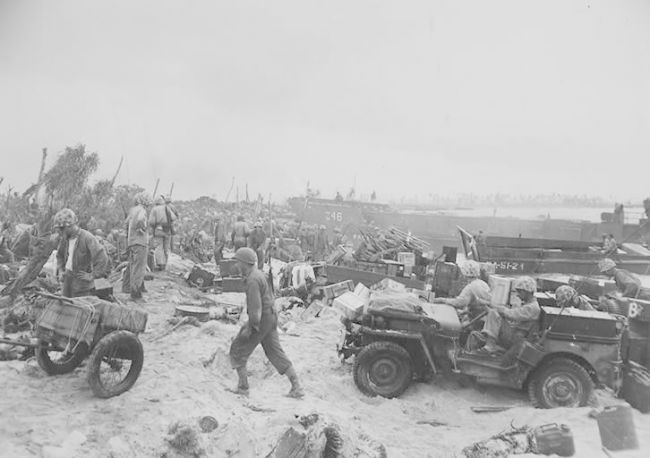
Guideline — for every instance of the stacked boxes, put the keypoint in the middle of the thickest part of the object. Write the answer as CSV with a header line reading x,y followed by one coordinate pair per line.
x,y
333,291
350,305
407,258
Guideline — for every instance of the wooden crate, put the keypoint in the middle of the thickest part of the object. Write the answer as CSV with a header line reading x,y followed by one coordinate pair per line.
x,y
406,257
335,290
62,321
116,316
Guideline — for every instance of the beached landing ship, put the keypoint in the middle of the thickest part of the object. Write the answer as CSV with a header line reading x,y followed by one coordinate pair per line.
x,y
519,256
439,229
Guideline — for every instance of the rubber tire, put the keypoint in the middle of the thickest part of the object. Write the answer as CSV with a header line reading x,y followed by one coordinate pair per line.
x,y
370,355
103,348
58,368
558,366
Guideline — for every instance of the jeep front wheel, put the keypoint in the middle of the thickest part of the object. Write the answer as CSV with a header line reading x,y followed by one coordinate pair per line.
x,y
560,382
384,369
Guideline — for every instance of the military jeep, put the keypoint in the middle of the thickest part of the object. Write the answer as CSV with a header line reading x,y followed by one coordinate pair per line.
x,y
573,352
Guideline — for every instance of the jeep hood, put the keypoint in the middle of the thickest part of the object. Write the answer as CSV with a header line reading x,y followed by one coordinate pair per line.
x,y
445,315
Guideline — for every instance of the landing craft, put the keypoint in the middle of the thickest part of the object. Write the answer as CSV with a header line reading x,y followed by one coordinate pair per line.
x,y
439,229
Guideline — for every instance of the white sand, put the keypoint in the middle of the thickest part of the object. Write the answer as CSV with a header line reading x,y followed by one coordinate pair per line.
x,y
39,413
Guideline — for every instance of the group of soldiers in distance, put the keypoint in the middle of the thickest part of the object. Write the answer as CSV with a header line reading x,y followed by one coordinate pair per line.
x,y
155,227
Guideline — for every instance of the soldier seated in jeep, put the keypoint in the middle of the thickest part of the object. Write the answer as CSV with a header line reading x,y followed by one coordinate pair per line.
x,y
566,296
474,299
505,326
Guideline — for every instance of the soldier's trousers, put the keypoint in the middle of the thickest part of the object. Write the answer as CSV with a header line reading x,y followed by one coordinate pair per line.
x,y
137,267
499,329
72,288
162,247
241,347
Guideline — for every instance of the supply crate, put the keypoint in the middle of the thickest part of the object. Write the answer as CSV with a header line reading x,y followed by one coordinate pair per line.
x,y
335,290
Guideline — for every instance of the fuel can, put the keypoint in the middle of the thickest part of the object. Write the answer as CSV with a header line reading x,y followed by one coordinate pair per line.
x,y
554,438
616,427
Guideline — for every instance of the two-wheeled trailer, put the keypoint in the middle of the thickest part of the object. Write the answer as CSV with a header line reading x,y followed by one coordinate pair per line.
x,y
69,330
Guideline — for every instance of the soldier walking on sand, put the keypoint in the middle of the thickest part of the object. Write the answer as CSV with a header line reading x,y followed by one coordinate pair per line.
x,y
261,327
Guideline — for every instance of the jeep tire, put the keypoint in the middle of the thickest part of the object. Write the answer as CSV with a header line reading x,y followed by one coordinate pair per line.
x,y
384,369
560,382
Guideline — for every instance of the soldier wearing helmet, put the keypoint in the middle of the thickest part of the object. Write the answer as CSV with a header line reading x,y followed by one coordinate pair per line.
x,y
566,296
240,233
138,242
161,225
80,257
475,296
627,283
505,326
257,241
261,327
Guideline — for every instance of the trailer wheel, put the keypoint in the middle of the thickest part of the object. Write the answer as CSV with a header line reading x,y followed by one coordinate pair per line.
x,y
55,362
384,369
115,364
560,382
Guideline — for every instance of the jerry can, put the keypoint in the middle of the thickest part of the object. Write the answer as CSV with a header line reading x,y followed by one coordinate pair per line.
x,y
616,427
554,438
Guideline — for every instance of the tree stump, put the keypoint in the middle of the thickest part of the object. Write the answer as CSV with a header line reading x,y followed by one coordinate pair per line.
x,y
44,248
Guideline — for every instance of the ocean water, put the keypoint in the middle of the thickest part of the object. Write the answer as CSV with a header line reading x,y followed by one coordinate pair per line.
x,y
592,214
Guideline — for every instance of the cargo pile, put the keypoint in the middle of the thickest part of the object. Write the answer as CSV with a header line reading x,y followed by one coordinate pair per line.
x,y
386,244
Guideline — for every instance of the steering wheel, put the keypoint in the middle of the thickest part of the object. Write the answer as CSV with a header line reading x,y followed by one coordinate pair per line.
x,y
475,319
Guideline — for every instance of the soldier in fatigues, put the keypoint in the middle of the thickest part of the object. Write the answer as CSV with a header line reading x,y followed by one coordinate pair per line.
x,y
80,257
261,327
240,233
138,244
257,241
626,282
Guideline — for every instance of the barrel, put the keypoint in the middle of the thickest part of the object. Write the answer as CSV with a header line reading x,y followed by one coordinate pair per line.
x,y
616,427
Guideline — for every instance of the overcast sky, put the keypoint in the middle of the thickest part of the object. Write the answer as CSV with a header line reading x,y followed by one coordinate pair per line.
x,y
401,97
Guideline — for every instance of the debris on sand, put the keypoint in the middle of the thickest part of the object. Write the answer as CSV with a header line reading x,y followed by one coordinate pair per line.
x,y
208,424
211,328
502,445
184,439
320,437
177,323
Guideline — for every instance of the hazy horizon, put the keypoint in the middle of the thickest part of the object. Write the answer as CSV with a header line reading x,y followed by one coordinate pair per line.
x,y
404,98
